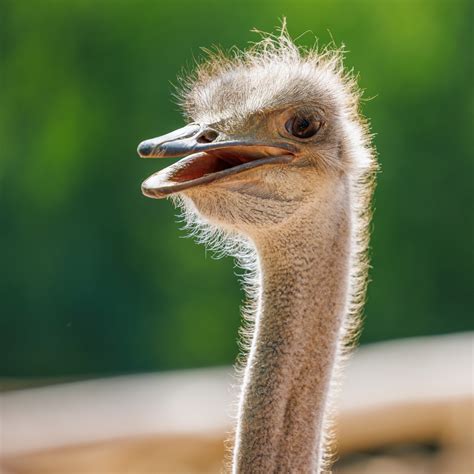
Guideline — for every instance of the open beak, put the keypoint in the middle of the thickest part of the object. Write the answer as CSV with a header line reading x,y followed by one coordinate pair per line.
x,y
208,156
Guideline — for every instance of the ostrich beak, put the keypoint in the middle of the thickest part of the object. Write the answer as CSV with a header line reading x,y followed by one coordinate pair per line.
x,y
208,156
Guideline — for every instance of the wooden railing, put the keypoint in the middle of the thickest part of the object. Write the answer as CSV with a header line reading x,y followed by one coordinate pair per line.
x,y
406,401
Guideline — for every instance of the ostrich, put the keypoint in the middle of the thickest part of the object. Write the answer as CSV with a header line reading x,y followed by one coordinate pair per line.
x,y
278,170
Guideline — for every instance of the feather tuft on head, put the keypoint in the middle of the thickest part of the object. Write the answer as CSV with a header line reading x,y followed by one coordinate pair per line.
x,y
271,73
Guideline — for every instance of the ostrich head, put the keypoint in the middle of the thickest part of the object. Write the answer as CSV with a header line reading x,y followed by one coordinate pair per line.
x,y
270,130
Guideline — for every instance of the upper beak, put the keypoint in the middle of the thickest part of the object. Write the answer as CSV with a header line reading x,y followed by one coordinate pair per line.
x,y
202,147
190,139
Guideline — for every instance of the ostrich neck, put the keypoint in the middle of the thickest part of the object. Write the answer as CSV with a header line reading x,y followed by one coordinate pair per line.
x,y
301,306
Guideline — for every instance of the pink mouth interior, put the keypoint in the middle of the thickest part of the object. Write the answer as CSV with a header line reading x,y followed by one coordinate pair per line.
x,y
221,159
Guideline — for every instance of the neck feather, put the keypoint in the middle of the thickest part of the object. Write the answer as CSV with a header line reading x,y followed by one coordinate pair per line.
x,y
302,303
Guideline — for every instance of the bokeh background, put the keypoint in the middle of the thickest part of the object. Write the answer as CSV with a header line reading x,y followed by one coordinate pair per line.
x,y
97,279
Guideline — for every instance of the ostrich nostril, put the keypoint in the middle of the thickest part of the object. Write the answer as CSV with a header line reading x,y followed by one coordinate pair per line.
x,y
207,136
145,148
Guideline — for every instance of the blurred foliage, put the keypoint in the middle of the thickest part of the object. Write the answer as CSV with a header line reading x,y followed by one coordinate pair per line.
x,y
95,277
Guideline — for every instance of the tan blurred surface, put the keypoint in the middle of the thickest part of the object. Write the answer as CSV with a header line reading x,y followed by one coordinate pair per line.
x,y
173,454
406,408
204,455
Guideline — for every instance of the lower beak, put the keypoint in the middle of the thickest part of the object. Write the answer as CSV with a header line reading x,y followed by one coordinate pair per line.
x,y
208,156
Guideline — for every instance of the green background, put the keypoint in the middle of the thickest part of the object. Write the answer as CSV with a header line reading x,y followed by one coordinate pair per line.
x,y
96,279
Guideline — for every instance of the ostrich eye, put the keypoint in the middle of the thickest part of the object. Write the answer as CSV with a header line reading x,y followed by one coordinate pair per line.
x,y
302,127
